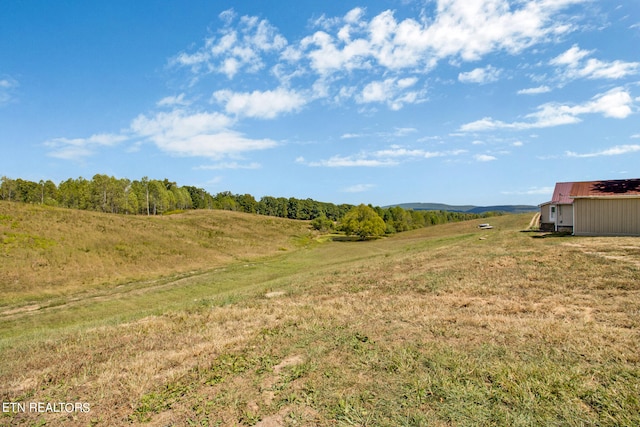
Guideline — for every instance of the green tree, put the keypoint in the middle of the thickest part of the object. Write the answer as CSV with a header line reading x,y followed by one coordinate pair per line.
x,y
75,193
322,223
132,205
159,199
200,199
400,219
7,188
226,201
364,222
49,193
247,203
28,191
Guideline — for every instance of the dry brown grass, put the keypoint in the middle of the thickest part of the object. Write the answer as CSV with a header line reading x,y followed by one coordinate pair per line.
x,y
442,326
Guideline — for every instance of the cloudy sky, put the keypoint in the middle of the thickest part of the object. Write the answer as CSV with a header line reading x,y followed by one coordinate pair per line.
x,y
454,101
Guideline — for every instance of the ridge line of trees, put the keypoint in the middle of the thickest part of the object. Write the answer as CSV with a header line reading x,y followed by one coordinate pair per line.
x,y
146,196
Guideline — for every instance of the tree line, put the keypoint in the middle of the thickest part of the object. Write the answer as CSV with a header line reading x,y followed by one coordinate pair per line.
x,y
146,196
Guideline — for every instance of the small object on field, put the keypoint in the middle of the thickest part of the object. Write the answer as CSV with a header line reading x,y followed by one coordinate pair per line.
x,y
485,226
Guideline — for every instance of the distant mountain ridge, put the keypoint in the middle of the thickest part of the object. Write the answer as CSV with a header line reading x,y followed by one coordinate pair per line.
x,y
466,208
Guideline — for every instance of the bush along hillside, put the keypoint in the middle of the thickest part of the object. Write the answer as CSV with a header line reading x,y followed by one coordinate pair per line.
x,y
146,196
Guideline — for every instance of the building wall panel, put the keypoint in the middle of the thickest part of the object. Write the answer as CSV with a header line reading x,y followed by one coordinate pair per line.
x,y
607,217
565,215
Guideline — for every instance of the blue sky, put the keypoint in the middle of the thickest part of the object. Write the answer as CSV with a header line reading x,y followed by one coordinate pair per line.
x,y
455,101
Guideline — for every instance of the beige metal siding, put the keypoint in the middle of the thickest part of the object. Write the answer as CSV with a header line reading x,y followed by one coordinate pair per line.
x,y
602,217
544,212
565,215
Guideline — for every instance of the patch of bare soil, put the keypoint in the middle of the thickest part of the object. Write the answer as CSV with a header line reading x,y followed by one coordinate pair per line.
x,y
275,420
274,294
20,310
611,248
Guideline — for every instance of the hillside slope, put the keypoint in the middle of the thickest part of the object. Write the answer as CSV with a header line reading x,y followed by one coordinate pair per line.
x,y
467,208
49,252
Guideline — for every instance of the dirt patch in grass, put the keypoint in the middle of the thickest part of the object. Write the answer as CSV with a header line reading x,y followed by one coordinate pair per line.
x,y
625,249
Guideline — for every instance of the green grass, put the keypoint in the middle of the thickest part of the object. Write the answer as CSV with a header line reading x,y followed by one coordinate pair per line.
x,y
449,325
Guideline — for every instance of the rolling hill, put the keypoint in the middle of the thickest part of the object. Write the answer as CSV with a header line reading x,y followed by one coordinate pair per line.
x,y
466,208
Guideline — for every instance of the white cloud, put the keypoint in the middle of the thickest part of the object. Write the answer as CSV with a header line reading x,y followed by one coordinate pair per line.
x,y
459,28
485,123
235,49
534,90
351,135
171,101
78,148
7,85
398,132
484,158
401,50
391,156
487,74
354,15
328,58
265,105
576,65
348,161
390,91
571,57
531,191
379,91
613,151
407,82
616,103
229,165
202,134
358,188
403,131
472,29
396,152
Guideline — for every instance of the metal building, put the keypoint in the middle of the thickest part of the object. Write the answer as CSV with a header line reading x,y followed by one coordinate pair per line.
x,y
594,208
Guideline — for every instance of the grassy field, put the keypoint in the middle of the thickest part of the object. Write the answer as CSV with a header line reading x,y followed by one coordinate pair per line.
x,y
448,325
49,252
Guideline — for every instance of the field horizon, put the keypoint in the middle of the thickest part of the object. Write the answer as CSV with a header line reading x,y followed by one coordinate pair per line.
x,y
220,318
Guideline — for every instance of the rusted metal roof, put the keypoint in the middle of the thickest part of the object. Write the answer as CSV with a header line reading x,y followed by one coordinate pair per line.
x,y
613,188
565,192
561,194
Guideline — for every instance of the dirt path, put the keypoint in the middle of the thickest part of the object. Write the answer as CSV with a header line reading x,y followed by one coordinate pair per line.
x,y
122,291
534,221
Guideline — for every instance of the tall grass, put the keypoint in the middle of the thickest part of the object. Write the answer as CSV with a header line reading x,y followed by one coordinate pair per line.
x,y
449,325
51,252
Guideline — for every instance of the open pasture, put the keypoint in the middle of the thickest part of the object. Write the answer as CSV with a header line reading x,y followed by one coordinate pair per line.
x,y
448,325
